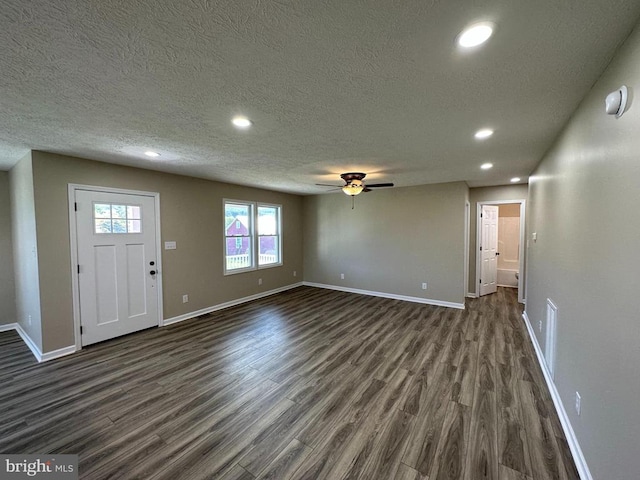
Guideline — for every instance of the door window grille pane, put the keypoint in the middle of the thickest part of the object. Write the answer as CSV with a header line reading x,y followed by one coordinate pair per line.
x,y
101,210
115,218
133,212
103,225
134,226
119,226
118,211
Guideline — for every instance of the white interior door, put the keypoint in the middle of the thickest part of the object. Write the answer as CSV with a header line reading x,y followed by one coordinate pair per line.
x,y
117,265
489,249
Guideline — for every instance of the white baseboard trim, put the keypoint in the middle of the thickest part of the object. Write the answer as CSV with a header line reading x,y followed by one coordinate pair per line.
x,y
426,301
41,357
471,295
61,352
30,343
572,440
231,303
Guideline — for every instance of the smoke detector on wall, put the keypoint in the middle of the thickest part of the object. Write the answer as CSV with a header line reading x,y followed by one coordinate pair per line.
x,y
616,102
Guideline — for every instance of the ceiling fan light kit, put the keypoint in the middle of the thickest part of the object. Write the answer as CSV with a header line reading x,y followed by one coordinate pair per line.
x,y
354,184
354,188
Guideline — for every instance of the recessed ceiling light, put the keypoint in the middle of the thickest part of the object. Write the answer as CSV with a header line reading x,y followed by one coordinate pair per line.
x,y
475,35
150,153
515,179
486,166
241,122
484,133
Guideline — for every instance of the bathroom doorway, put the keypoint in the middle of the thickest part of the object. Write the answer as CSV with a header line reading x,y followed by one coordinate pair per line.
x,y
508,245
509,262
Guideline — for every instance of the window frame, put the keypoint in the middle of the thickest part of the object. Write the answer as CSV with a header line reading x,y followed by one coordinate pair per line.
x,y
254,236
278,234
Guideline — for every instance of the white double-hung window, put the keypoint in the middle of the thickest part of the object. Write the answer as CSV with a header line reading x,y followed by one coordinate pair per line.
x,y
252,236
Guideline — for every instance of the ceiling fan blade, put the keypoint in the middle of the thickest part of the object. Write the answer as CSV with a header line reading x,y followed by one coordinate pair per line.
x,y
379,185
327,185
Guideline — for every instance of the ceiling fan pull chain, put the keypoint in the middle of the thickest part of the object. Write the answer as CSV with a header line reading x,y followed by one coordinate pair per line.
x,y
353,201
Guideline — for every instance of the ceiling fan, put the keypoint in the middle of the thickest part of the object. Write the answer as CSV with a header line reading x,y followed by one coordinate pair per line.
x,y
354,184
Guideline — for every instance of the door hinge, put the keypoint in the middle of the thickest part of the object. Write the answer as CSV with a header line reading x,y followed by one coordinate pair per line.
x,y
480,247
75,206
81,329
480,281
480,215
78,268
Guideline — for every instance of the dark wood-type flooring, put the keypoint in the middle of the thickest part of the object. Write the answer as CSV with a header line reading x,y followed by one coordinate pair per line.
x,y
306,384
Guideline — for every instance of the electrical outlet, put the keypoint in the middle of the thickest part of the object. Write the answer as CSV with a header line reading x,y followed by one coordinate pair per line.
x,y
424,286
342,276
259,281
578,401
540,325
29,321
295,274
185,298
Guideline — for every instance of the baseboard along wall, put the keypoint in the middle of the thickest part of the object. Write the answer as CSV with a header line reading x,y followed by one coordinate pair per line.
x,y
231,303
572,440
40,357
426,301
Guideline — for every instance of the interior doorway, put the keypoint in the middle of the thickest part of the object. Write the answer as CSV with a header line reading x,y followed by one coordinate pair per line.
x,y
488,250
500,246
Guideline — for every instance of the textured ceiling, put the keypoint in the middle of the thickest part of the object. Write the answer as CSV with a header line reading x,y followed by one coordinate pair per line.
x,y
331,85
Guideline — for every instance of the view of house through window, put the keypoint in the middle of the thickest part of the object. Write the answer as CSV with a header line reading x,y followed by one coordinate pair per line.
x,y
238,233
252,236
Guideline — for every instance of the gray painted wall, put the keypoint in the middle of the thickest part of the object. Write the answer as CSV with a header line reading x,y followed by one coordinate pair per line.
x,y
25,252
191,215
584,203
7,290
392,242
486,194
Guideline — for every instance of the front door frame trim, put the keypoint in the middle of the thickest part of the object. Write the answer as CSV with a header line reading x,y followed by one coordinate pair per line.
x,y
73,241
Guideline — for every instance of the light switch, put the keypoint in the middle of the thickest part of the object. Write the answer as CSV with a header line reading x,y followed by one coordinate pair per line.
x,y
170,245
534,236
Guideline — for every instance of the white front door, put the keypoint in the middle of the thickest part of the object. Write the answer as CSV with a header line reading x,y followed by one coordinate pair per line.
x,y
117,264
489,249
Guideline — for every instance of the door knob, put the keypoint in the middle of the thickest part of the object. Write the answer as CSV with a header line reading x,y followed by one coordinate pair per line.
x,y
152,272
